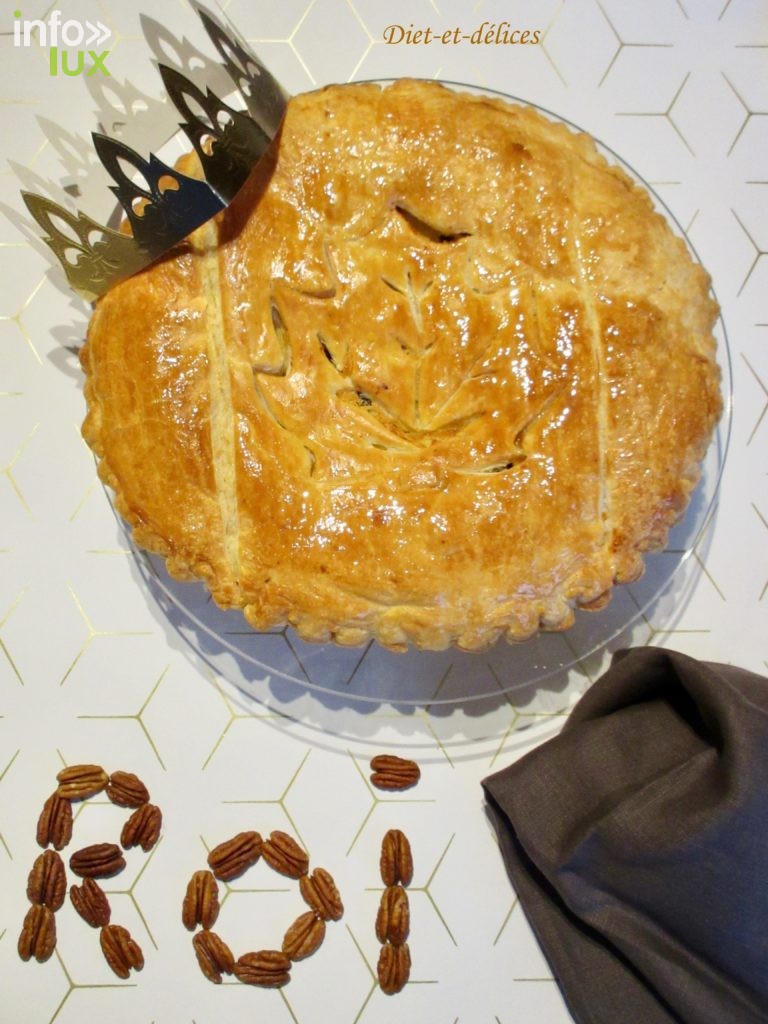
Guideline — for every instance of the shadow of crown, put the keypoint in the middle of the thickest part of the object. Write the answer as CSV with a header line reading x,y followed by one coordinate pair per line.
x,y
161,204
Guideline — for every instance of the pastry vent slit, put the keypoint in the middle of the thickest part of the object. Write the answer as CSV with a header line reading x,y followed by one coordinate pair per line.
x,y
330,263
414,301
538,416
380,446
429,231
418,351
392,285
316,293
281,333
401,432
328,354
511,462
268,407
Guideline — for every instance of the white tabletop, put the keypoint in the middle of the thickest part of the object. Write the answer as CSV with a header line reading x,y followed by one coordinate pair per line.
x,y
92,668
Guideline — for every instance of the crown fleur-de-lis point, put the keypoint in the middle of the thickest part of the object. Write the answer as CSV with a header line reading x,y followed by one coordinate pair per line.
x,y
93,256
163,209
229,143
264,96
162,205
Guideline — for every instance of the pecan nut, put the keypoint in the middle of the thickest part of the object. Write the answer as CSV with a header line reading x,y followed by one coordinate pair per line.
x,y
127,790
392,772
142,828
232,858
269,968
320,893
47,882
54,826
284,855
79,781
393,921
213,955
396,861
102,860
38,934
201,901
122,953
393,968
304,936
91,903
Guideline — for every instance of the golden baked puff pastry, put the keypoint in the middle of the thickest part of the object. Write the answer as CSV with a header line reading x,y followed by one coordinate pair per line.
x,y
438,375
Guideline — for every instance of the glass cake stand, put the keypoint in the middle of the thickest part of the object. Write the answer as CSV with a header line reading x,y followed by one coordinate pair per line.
x,y
275,666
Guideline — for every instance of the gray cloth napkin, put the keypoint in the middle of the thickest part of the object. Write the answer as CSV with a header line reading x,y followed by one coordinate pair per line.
x,y
637,842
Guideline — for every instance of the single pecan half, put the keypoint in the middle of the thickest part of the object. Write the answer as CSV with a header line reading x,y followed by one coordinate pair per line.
x,y
232,858
101,860
54,826
142,828
270,968
320,893
396,861
394,967
304,936
38,934
79,781
392,772
393,921
284,855
214,955
201,901
91,903
121,952
47,882
127,790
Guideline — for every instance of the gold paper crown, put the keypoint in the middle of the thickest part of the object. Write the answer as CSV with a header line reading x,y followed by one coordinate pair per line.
x,y
167,205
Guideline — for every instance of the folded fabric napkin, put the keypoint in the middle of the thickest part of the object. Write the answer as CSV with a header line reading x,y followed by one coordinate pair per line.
x,y
637,842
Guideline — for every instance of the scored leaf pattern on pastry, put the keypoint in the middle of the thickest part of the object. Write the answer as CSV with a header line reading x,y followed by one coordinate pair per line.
x,y
442,384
